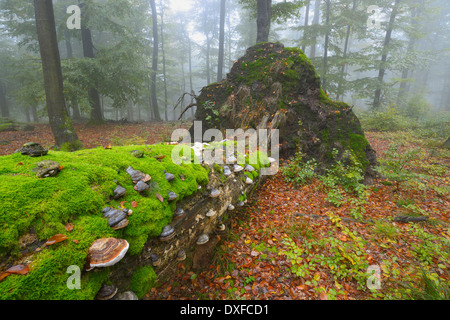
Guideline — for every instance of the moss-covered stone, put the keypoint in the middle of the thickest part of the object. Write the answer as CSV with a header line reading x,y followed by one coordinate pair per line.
x,y
278,87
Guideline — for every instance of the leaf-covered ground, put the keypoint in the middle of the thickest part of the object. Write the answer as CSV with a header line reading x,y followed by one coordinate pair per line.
x,y
291,243
94,136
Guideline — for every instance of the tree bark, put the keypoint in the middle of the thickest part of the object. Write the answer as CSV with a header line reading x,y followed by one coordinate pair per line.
x,y
327,39
154,98
305,26
221,41
382,70
60,123
3,102
344,56
315,23
164,62
405,72
264,14
191,85
34,114
88,52
208,68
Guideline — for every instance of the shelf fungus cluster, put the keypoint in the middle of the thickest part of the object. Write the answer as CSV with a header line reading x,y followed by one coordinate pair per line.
x,y
117,219
139,179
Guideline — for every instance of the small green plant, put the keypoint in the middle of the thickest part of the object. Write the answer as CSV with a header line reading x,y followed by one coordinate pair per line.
x,y
298,171
430,287
212,114
386,229
394,165
249,280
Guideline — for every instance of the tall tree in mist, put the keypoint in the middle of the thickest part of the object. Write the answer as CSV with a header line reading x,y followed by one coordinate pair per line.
x,y
60,122
88,52
382,69
221,41
154,98
264,11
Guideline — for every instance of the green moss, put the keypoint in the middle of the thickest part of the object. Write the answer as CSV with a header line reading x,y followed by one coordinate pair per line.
x,y
77,195
71,146
143,280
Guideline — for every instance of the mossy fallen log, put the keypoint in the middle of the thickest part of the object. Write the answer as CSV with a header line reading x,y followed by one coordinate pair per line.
x,y
70,204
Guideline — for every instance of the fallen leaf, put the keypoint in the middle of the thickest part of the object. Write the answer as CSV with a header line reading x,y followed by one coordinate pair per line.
x,y
76,241
121,204
323,296
55,239
19,269
69,227
134,204
160,198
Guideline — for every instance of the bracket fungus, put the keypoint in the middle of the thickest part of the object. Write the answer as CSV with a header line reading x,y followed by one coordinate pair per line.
x,y
167,233
214,193
226,171
105,252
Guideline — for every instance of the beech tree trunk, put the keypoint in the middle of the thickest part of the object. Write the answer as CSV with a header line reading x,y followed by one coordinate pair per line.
x,y
3,102
325,54
221,41
315,22
382,70
263,20
154,98
60,122
306,25
164,62
344,56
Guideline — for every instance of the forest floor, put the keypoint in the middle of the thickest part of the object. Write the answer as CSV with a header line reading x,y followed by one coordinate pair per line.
x,y
290,242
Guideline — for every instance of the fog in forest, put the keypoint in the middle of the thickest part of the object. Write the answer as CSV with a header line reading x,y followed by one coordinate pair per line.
x,y
377,55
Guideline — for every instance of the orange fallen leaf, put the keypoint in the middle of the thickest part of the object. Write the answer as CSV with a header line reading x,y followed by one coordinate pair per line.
x,y
134,204
121,204
160,198
76,241
19,269
323,296
55,239
69,227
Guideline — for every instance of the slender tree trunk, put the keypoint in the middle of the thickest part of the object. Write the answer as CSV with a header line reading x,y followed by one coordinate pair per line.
x,y
164,62
34,114
305,34
405,72
191,86
315,23
344,56
27,114
327,39
154,61
68,44
208,71
88,52
3,102
60,123
221,41
382,70
264,14
75,109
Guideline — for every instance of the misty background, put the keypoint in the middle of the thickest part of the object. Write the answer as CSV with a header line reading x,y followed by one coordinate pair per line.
x,y
346,41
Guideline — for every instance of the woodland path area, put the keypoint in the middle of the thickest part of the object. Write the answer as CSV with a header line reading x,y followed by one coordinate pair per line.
x,y
277,249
